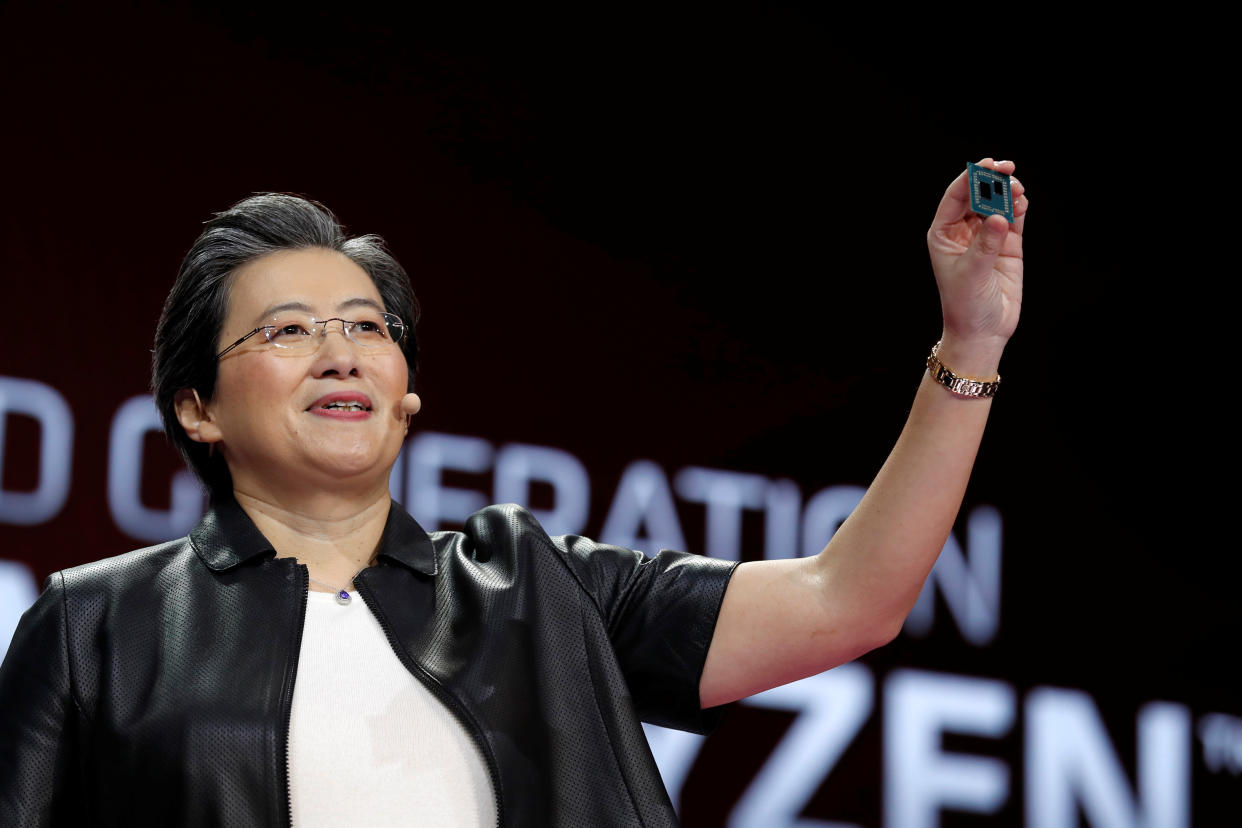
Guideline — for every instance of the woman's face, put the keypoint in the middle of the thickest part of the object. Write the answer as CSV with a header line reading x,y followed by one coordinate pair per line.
x,y
269,406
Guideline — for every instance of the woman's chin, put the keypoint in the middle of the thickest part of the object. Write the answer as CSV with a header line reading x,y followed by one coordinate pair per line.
x,y
355,467
353,471
360,465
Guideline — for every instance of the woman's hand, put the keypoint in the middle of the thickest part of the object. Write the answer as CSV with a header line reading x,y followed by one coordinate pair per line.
x,y
978,267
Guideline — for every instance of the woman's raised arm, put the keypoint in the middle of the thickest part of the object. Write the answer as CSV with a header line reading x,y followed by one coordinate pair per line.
x,y
785,620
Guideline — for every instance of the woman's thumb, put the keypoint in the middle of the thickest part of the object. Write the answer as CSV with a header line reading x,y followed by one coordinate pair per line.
x,y
988,242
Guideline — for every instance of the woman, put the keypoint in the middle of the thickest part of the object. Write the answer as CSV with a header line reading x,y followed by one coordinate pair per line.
x,y
308,653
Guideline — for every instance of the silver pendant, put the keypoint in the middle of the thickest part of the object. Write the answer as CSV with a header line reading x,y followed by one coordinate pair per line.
x,y
343,598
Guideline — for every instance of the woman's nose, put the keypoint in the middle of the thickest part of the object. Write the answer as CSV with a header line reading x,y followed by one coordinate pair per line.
x,y
336,354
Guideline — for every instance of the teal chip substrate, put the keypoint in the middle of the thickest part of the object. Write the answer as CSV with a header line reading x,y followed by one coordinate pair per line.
x,y
989,192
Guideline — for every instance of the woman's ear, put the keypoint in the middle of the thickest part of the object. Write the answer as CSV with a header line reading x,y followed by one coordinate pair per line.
x,y
195,418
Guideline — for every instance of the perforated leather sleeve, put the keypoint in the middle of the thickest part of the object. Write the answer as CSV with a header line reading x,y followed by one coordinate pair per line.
x,y
660,614
38,717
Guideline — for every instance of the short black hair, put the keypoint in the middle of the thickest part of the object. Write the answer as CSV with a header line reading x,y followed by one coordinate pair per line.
x,y
193,315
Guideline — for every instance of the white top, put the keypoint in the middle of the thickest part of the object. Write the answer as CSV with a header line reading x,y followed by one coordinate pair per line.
x,y
368,743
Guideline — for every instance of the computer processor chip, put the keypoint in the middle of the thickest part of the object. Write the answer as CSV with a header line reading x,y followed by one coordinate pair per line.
x,y
989,192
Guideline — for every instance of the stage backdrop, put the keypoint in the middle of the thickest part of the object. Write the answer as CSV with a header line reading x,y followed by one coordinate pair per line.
x,y
685,259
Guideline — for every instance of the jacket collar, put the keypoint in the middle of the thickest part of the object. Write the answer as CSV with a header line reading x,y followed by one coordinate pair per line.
x,y
405,542
226,537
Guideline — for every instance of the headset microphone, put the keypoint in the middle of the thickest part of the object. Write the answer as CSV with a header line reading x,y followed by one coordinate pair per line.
x,y
410,404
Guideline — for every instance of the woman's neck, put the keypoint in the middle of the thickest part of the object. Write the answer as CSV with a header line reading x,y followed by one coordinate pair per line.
x,y
334,537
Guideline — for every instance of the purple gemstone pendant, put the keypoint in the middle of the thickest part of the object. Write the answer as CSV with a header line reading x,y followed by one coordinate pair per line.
x,y
343,598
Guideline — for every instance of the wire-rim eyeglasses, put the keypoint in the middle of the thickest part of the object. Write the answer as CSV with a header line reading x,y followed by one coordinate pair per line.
x,y
302,333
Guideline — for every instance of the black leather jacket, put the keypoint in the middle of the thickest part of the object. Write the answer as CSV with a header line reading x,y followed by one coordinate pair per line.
x,y
155,687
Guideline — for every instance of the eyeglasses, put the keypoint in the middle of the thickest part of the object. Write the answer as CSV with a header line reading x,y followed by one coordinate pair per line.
x,y
298,333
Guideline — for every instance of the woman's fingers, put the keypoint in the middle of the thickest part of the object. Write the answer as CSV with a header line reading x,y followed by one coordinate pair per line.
x,y
955,222
955,204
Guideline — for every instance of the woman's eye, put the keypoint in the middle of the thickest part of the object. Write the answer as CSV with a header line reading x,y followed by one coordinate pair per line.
x,y
291,329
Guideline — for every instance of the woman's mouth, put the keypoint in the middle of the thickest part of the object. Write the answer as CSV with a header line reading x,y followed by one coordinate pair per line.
x,y
342,405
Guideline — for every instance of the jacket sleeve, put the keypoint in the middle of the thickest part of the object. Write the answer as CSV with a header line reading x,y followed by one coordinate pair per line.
x,y
38,717
660,614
